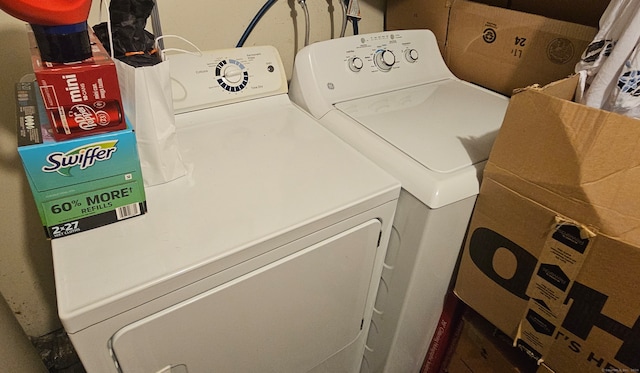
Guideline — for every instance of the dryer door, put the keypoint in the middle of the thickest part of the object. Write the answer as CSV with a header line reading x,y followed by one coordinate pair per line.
x,y
291,315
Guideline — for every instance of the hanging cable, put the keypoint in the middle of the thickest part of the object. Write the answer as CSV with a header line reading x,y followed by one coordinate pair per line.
x,y
254,22
343,4
303,4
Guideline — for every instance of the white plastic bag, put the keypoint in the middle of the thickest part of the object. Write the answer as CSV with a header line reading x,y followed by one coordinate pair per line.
x,y
610,65
148,105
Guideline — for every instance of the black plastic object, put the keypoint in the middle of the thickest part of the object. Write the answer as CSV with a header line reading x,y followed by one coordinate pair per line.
x,y
132,44
64,43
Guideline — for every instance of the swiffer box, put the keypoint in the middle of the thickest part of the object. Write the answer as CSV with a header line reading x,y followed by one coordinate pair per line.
x,y
77,184
502,49
553,248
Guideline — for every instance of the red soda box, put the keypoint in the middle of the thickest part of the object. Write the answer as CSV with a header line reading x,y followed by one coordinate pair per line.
x,y
81,98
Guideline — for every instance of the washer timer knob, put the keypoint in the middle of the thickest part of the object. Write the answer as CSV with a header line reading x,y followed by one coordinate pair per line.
x,y
384,59
355,64
411,55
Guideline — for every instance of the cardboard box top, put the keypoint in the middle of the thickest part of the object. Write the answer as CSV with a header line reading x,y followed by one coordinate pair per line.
x,y
566,161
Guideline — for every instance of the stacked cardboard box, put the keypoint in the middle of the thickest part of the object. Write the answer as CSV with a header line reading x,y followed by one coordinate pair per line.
x,y
77,184
80,98
79,154
504,45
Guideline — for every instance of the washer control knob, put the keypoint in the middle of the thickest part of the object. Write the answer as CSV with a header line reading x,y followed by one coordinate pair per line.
x,y
411,55
355,64
384,59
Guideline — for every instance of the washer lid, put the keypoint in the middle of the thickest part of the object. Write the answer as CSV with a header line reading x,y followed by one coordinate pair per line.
x,y
445,126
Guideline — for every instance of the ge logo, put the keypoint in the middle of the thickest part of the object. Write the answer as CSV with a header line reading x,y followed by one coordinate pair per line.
x,y
489,35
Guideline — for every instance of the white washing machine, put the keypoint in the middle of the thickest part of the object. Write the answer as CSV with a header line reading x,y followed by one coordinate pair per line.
x,y
391,96
265,258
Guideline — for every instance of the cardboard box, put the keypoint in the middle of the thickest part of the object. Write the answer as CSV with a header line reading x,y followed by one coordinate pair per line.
x,y
497,48
554,241
81,98
420,14
503,49
429,14
584,12
77,184
482,348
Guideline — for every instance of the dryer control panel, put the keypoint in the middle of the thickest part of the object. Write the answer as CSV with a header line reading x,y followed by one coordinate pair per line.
x,y
201,80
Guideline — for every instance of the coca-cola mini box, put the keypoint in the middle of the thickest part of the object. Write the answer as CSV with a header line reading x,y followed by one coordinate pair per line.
x,y
80,98
81,183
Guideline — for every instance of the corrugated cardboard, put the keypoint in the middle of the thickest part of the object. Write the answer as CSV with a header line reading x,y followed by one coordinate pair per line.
x,y
584,12
556,233
420,14
426,14
501,49
481,348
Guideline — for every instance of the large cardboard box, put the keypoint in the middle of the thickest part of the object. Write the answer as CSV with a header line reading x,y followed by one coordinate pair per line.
x,y
553,248
498,48
429,14
77,184
583,12
503,49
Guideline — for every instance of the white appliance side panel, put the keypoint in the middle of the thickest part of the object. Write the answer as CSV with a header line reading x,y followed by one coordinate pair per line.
x,y
288,316
418,271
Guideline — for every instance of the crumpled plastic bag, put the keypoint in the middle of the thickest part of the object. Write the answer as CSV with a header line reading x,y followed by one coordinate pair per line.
x,y
609,69
132,43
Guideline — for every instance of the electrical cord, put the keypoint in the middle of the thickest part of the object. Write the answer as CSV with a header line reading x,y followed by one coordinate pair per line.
x,y
254,22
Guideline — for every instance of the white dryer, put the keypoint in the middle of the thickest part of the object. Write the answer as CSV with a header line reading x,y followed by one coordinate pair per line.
x,y
265,258
391,96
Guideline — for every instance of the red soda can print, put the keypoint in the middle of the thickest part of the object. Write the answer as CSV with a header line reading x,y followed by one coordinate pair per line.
x,y
86,118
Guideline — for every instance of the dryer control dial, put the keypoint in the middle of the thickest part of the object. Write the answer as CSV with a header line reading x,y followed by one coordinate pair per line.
x,y
411,55
231,75
384,59
355,64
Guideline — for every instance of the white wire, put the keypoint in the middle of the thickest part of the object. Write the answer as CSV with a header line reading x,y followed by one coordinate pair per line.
x,y
162,52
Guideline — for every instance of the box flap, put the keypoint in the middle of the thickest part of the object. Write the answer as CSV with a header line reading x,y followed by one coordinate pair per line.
x,y
560,154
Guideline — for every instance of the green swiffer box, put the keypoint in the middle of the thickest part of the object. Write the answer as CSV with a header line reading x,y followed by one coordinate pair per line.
x,y
78,184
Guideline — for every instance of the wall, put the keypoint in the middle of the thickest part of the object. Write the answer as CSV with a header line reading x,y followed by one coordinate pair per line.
x,y
26,272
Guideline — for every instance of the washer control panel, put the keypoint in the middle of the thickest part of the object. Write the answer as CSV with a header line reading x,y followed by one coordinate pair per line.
x,y
342,69
201,80
380,52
